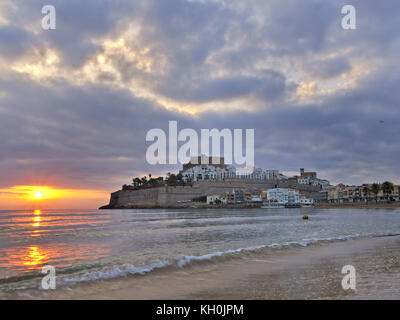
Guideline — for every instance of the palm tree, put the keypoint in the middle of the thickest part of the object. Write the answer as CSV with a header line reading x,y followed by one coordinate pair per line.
x,y
375,190
137,182
387,189
144,181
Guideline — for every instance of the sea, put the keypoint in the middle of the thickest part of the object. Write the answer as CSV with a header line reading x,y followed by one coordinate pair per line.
x,y
94,245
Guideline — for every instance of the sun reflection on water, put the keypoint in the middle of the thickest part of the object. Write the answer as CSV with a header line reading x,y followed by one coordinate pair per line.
x,y
36,219
34,257
39,237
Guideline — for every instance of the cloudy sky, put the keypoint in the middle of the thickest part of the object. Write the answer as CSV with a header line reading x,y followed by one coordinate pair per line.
x,y
76,102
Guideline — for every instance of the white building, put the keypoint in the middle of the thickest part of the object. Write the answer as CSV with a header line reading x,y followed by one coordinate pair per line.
x,y
323,184
283,196
304,180
306,201
256,173
245,172
212,172
255,198
273,174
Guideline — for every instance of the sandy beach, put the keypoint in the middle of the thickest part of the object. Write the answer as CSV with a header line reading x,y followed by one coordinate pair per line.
x,y
312,272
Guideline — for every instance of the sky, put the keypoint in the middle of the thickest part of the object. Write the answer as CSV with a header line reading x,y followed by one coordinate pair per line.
x,y
76,102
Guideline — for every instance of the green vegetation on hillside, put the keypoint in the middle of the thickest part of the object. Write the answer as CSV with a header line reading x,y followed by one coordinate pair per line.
x,y
148,183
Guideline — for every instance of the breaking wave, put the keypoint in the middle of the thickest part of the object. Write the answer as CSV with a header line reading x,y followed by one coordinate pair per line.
x,y
187,260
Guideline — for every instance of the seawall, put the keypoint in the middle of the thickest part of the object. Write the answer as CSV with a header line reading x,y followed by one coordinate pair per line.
x,y
180,196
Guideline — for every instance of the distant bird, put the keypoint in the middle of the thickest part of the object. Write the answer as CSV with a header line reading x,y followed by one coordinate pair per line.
x,y
381,121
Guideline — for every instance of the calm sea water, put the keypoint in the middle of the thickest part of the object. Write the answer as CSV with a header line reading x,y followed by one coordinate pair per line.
x,y
89,245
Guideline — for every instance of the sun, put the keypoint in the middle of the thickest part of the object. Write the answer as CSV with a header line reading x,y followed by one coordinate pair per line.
x,y
38,195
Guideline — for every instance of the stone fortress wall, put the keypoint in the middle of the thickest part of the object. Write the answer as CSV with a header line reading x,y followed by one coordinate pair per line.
x,y
180,196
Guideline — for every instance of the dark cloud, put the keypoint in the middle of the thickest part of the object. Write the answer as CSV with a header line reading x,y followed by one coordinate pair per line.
x,y
329,68
15,42
269,86
300,27
79,25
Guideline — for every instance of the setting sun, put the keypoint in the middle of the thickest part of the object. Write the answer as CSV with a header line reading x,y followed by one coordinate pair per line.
x,y
38,195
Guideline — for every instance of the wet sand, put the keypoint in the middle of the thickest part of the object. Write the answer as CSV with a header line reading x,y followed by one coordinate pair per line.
x,y
312,272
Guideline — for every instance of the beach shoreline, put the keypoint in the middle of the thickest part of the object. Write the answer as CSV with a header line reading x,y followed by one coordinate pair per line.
x,y
312,272
318,205
359,205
